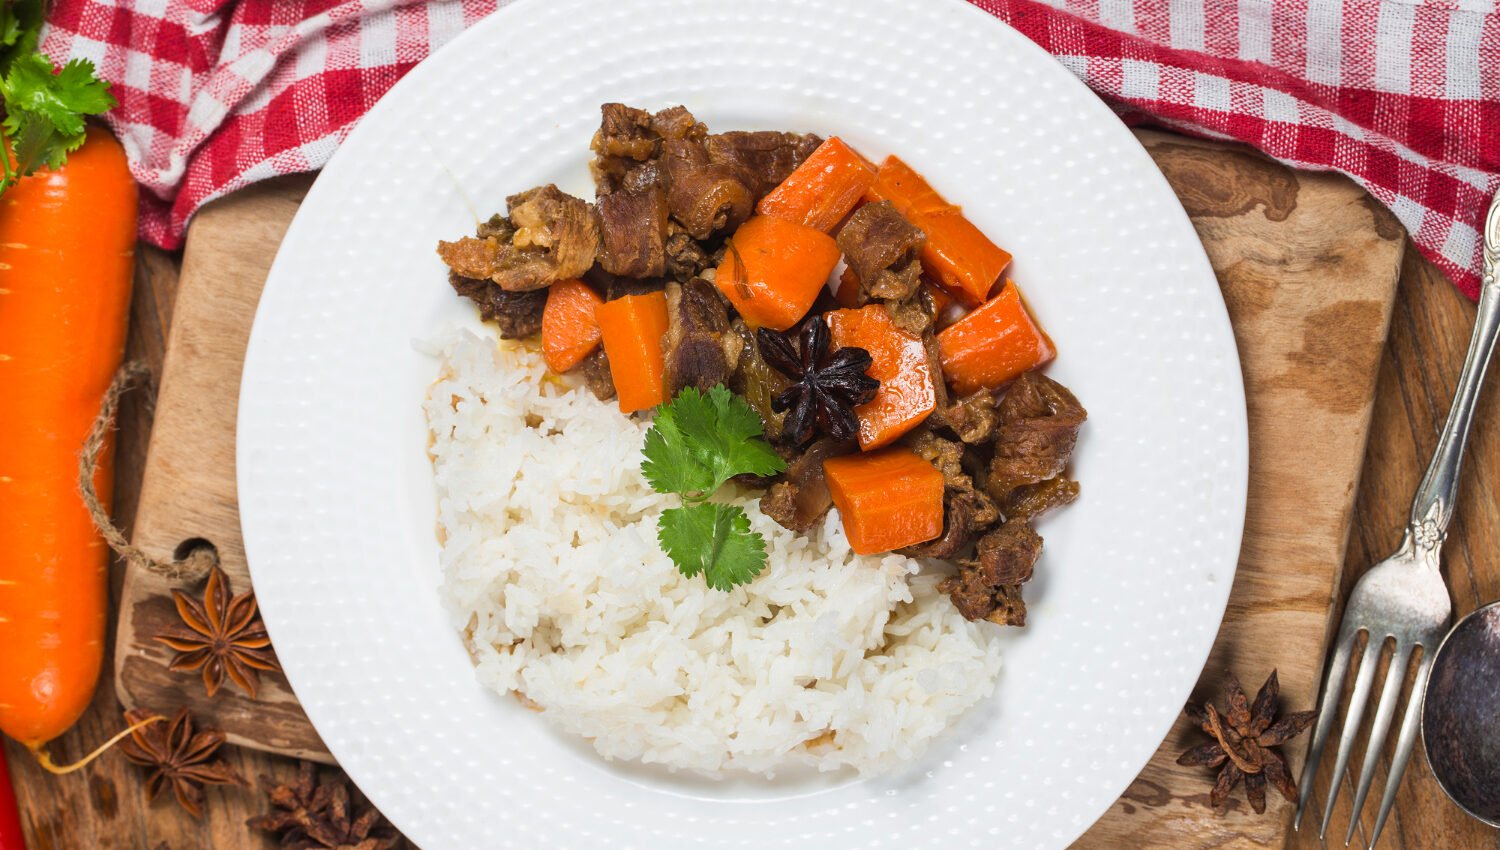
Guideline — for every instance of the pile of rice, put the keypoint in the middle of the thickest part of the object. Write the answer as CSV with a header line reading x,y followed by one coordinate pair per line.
x,y
553,573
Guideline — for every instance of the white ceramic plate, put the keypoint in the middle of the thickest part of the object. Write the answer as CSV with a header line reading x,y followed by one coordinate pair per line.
x,y
335,492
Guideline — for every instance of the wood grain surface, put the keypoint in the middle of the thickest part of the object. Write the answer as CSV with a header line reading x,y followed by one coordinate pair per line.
x,y
105,807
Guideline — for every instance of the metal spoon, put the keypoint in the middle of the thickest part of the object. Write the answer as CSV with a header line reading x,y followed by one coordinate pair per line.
x,y
1461,714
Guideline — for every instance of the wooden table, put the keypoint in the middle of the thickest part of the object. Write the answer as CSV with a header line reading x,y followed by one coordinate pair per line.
x,y
105,806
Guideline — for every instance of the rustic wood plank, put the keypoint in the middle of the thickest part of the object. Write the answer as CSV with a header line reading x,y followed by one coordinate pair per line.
x,y
1429,334
1308,269
188,490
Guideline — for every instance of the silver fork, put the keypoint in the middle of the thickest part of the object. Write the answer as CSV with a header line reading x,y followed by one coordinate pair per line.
x,y
1404,597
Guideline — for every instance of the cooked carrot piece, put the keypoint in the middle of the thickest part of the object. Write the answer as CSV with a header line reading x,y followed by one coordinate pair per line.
x,y
993,344
823,189
957,254
773,270
899,362
887,499
847,295
570,331
631,328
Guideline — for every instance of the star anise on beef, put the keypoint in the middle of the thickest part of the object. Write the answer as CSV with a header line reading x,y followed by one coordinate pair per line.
x,y
312,815
221,635
1244,741
177,756
825,388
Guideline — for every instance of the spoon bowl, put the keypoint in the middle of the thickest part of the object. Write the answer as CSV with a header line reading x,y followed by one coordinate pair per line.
x,y
1461,714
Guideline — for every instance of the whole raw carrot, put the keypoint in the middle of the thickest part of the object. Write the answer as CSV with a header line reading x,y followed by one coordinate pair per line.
x,y
67,238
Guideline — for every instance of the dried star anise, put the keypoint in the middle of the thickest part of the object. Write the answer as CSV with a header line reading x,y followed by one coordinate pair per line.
x,y
224,636
1243,740
178,757
825,389
313,815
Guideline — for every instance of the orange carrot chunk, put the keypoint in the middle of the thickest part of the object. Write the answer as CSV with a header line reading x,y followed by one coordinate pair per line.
x,y
847,295
823,189
993,344
898,361
956,254
773,270
570,331
631,328
887,499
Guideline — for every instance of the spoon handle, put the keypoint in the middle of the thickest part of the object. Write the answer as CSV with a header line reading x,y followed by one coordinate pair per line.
x,y
1433,506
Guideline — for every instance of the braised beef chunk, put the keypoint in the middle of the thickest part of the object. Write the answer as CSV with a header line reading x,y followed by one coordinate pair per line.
x,y
612,286
706,198
633,232
762,159
698,348
1039,422
596,375
881,247
800,498
913,315
1008,554
624,141
972,417
518,314
1031,500
676,122
756,382
966,510
685,257
546,237
988,586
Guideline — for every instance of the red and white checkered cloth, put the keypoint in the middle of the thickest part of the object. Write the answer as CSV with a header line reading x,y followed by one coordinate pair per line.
x,y
1401,95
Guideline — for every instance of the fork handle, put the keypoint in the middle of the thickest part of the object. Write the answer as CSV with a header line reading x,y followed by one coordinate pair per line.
x,y
1433,506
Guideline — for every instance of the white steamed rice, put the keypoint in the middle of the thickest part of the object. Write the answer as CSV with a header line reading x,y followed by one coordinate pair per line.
x,y
552,571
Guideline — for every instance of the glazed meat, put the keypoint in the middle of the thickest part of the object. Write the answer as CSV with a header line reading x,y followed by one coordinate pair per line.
x,y
1030,500
706,198
633,232
800,497
698,348
596,375
624,141
518,314
972,417
685,257
882,247
548,236
1038,428
988,586
762,159
676,122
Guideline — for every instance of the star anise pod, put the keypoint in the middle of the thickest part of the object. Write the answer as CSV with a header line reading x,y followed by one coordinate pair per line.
x,y
178,757
313,815
221,635
825,388
1243,740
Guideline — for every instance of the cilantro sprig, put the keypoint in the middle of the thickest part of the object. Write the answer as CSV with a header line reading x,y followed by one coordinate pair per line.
x,y
697,443
44,106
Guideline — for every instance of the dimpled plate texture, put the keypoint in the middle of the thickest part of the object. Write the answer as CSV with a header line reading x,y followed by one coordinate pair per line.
x,y
336,495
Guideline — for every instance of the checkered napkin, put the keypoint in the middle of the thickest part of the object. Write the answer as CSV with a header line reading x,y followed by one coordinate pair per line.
x,y
1401,95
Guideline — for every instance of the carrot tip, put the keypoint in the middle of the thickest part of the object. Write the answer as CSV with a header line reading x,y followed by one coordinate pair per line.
x,y
44,758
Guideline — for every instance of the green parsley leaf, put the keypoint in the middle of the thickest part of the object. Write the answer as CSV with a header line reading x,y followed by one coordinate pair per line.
x,y
701,440
714,540
44,111
61,99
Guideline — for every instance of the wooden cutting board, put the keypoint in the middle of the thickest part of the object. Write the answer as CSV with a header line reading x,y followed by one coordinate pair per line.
x,y
1308,264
